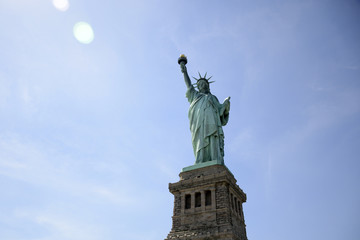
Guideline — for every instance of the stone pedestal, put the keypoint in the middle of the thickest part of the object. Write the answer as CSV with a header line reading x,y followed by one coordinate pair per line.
x,y
207,205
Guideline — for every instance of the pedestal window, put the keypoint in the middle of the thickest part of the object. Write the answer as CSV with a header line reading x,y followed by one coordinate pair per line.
x,y
207,198
187,201
197,199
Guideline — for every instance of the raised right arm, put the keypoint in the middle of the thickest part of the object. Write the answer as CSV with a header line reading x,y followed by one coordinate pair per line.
x,y
186,75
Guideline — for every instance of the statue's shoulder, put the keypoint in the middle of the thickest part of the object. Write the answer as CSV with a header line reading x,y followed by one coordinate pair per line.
x,y
191,93
214,97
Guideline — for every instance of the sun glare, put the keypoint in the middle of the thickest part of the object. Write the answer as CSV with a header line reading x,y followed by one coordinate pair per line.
x,y
83,32
61,5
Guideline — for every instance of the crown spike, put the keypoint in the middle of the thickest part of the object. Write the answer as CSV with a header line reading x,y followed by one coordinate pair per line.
x,y
202,78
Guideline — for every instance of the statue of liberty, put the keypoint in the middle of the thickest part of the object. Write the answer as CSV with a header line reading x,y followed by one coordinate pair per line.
x,y
207,116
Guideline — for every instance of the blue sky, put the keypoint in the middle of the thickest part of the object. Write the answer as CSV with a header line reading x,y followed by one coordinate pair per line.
x,y
91,134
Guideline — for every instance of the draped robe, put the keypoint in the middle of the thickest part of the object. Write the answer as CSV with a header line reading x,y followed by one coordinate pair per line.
x,y
207,116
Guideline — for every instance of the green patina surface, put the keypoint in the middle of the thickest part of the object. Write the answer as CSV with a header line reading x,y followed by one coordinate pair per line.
x,y
201,165
207,116
204,164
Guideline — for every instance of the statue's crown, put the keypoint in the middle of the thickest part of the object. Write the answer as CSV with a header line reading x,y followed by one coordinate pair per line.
x,y
202,79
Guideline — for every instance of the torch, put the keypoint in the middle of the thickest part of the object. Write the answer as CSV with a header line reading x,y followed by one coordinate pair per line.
x,y
182,60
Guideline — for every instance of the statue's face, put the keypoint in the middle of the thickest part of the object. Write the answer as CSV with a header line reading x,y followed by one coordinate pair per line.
x,y
203,86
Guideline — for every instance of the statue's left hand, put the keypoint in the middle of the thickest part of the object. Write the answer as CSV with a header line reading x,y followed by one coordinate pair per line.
x,y
226,104
227,101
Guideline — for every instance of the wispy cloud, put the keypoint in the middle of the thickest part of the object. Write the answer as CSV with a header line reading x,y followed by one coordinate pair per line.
x,y
36,165
352,67
320,116
246,145
63,184
118,197
60,226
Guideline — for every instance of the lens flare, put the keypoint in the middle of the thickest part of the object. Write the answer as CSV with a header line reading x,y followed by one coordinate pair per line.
x,y
83,32
61,5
